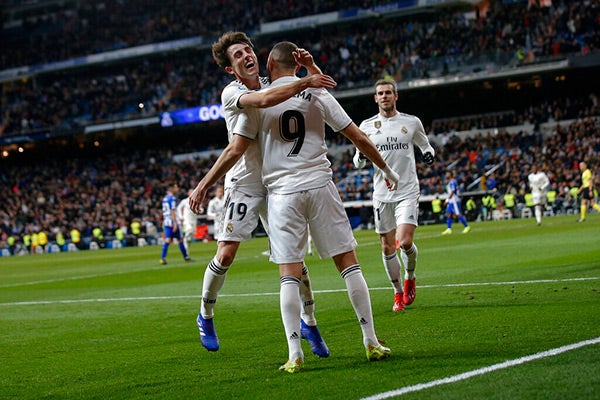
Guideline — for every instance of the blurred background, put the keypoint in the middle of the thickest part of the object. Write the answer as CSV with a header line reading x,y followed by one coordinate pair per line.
x,y
106,103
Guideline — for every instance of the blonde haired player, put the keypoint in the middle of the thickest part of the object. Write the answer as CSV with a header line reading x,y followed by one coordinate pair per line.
x,y
395,135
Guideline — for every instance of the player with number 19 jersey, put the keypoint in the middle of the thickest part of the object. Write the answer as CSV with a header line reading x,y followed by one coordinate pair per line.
x,y
294,148
245,175
245,194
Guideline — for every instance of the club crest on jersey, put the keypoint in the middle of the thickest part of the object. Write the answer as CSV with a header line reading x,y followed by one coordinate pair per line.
x,y
404,129
377,124
229,228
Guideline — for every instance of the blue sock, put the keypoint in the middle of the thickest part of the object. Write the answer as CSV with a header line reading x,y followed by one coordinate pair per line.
x,y
182,248
449,222
164,250
463,220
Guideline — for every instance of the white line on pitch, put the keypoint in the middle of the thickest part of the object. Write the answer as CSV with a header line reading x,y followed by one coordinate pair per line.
x,y
482,371
99,300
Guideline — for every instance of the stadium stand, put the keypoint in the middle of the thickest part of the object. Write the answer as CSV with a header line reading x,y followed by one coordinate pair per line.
x,y
64,166
426,44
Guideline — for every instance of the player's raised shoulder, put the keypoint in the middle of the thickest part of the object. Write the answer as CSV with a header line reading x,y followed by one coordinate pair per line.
x,y
408,116
373,118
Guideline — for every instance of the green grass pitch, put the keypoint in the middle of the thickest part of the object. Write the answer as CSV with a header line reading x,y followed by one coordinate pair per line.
x,y
114,324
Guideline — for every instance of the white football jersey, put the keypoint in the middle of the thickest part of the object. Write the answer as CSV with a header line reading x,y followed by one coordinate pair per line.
x,y
246,173
185,214
538,182
292,138
395,138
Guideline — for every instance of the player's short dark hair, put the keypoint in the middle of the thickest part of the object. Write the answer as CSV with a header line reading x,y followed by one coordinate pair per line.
x,y
219,48
282,53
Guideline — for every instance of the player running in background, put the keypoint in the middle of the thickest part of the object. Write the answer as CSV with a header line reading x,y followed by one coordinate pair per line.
x,y
538,183
453,208
586,191
244,192
171,224
215,209
188,219
396,212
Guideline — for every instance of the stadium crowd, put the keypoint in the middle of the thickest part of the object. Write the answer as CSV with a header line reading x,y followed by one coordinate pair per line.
x,y
355,55
109,192
81,199
70,29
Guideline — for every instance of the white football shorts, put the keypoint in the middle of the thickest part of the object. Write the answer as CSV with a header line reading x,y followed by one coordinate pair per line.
x,y
240,216
539,198
189,231
388,216
291,214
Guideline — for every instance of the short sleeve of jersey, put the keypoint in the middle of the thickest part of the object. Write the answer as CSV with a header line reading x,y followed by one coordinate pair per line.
x,y
335,116
230,96
247,124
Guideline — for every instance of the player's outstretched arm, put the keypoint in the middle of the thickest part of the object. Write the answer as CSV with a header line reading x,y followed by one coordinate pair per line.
x,y
271,97
230,155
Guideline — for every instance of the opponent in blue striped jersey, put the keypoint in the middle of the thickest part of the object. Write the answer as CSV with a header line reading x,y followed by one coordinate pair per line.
x,y
453,208
171,226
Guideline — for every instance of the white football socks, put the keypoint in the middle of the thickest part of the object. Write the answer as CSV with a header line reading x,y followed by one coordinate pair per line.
x,y
358,292
308,299
392,268
289,303
214,277
409,258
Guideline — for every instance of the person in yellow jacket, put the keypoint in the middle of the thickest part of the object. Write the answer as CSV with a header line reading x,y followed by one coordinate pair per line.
x,y
27,241
60,239
76,238
35,241
11,241
120,235
436,208
586,191
471,209
489,204
136,227
42,239
98,236
510,201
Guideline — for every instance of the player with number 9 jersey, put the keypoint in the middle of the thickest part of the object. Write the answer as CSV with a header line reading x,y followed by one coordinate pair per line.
x,y
294,147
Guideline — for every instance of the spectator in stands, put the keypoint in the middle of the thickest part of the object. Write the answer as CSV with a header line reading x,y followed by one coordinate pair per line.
x,y
436,208
471,209
105,93
509,201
